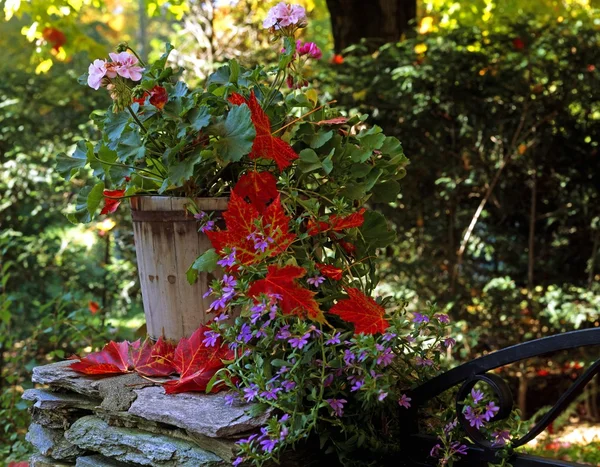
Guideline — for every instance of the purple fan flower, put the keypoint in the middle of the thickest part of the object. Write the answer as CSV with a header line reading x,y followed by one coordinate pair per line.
x,y
450,426
357,383
237,461
299,342
201,215
315,281
228,260
270,393
382,395
208,227
337,405
282,370
476,395
284,333
388,336
349,357
250,393
335,339
423,361
230,399
435,451
210,338
219,304
449,342
501,437
208,292
443,318
459,448
245,333
268,444
386,358
404,401
288,385
490,411
420,318
328,380
474,418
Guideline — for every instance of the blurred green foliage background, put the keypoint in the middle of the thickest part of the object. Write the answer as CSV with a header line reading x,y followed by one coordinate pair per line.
x,y
497,104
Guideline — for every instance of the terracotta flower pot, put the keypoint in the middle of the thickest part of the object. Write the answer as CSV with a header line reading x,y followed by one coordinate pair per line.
x,y
167,242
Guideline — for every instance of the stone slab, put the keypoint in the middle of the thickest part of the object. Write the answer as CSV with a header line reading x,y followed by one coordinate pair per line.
x,y
50,400
136,446
98,461
52,443
59,375
198,414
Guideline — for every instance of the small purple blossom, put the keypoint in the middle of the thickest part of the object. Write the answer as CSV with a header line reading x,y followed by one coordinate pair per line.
x,y
221,317
230,399
357,383
449,342
382,395
237,461
284,333
450,426
219,304
435,451
208,292
328,380
443,318
501,437
335,339
490,411
458,448
268,444
315,281
245,334
201,215
299,342
420,318
282,370
385,358
474,418
288,385
476,395
349,357
270,393
210,338
208,227
250,393
337,405
388,336
284,418
228,260
404,401
423,361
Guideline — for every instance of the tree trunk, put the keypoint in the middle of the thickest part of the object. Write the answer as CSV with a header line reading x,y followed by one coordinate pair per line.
x,y
378,21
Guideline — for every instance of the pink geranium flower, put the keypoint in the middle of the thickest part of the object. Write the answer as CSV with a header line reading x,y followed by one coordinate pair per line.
x,y
96,72
282,15
126,65
308,48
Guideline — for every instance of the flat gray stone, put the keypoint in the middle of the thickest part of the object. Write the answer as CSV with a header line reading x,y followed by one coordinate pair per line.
x,y
117,393
58,419
37,460
98,461
198,414
49,400
52,443
59,375
136,446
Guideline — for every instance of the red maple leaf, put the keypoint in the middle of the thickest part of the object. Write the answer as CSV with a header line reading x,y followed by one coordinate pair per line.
x,y
259,187
197,363
243,220
367,316
336,223
295,299
330,271
152,359
265,144
112,359
111,201
55,37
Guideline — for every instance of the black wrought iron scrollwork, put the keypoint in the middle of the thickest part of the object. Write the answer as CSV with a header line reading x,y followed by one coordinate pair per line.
x,y
478,371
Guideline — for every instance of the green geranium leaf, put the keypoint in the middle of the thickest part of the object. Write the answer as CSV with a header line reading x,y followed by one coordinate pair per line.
x,y
69,166
236,134
86,204
205,263
359,154
199,118
386,192
182,171
309,161
130,147
107,158
114,125
319,139
375,231
162,61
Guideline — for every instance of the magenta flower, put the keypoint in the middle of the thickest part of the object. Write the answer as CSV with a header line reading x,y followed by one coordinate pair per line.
x,y
308,48
404,401
126,66
337,405
282,15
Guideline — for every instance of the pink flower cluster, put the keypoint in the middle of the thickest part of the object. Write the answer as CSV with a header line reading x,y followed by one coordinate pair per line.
x,y
283,15
123,64
308,48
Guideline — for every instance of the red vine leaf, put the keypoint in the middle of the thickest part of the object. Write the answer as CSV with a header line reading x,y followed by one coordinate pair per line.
x,y
365,313
112,359
110,202
260,188
243,220
295,299
197,363
336,223
153,359
265,144
330,271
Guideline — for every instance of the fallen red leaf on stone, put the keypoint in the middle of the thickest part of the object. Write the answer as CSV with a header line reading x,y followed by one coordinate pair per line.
x,y
112,359
153,359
